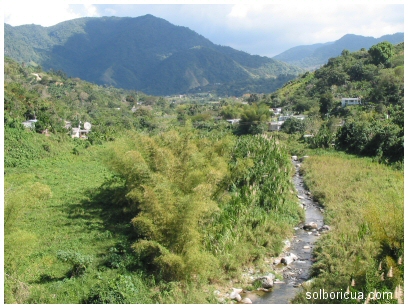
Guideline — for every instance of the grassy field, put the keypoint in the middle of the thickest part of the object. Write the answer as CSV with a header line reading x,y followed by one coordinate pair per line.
x,y
57,206
364,206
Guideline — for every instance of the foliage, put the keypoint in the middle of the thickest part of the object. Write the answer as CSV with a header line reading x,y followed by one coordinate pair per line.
x,y
294,125
189,197
348,75
260,208
382,138
254,118
323,139
78,261
171,179
121,290
381,53
373,129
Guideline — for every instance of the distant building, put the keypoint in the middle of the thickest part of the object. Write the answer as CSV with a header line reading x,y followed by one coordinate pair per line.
x,y
275,126
284,118
350,101
233,121
77,132
30,123
276,110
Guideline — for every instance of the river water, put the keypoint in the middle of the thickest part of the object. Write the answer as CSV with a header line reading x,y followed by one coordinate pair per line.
x,y
299,271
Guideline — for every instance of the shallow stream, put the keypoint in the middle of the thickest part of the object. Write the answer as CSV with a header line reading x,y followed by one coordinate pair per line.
x,y
295,273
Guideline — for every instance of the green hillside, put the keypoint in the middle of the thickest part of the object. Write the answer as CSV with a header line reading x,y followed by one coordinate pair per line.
x,y
144,53
374,128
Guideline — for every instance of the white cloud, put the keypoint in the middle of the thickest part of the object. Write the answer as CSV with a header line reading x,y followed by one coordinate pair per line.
x,y
91,10
44,13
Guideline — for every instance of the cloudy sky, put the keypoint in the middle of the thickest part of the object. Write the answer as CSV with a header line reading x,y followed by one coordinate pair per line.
x,y
265,29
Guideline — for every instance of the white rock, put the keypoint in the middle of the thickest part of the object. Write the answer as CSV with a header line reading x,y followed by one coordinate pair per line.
x,y
235,295
289,258
246,300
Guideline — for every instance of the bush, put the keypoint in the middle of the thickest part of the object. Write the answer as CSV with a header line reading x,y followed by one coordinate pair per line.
x,y
122,290
78,261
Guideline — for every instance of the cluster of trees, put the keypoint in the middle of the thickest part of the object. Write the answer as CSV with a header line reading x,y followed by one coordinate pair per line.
x,y
374,75
191,192
370,134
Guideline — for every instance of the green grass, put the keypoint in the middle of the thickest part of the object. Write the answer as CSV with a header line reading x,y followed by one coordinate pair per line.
x,y
77,217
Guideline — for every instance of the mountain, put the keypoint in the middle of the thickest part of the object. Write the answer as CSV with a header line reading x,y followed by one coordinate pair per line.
x,y
314,56
144,53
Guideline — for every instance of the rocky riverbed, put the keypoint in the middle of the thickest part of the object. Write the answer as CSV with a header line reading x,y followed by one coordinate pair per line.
x,y
294,264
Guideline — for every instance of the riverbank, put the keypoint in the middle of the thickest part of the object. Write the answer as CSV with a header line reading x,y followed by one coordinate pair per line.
x,y
364,205
292,267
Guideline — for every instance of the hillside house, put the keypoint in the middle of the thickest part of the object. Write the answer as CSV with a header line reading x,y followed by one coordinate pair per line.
x,y
233,121
275,126
346,101
30,123
284,118
77,132
276,110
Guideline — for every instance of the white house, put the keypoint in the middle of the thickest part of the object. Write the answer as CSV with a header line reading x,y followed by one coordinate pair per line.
x,y
276,110
284,118
350,101
77,132
233,121
275,126
30,123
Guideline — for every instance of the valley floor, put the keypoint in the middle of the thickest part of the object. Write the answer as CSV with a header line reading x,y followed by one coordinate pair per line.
x,y
60,207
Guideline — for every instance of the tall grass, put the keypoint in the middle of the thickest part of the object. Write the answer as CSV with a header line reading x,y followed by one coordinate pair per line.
x,y
364,206
261,208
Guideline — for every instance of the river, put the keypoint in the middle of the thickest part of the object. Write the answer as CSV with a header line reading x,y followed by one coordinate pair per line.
x,y
301,245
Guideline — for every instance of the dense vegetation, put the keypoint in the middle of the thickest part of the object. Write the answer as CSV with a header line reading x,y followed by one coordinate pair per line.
x,y
147,208
375,128
165,201
145,53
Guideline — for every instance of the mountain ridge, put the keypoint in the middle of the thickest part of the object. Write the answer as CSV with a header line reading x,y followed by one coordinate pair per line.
x,y
133,53
313,56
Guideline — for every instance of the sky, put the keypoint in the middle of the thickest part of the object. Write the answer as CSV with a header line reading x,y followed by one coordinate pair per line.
x,y
265,28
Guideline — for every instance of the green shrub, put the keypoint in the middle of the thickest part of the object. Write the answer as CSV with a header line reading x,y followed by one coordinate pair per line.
x,y
78,261
122,290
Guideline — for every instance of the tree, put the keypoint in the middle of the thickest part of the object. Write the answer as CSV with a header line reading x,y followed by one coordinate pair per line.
x,y
381,53
293,126
326,103
253,117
